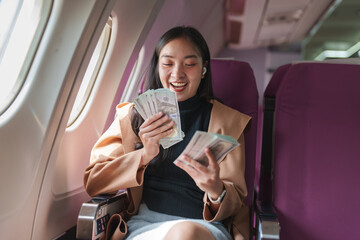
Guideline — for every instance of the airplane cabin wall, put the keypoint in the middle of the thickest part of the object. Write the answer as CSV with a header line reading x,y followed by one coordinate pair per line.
x,y
62,192
32,122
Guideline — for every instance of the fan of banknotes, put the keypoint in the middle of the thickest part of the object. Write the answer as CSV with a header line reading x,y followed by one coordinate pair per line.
x,y
165,101
219,144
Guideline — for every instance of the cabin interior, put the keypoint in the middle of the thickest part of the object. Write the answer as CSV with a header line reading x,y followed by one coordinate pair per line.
x,y
86,56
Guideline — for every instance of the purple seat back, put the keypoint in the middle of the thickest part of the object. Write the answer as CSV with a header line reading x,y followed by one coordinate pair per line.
x,y
234,83
276,80
265,128
317,152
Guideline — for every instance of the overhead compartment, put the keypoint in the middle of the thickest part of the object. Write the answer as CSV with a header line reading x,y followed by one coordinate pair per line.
x,y
272,22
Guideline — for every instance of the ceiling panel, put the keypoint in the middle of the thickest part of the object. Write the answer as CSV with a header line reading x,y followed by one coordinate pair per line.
x,y
274,22
340,31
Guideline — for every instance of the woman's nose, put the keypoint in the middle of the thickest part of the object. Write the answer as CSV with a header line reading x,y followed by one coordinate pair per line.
x,y
177,72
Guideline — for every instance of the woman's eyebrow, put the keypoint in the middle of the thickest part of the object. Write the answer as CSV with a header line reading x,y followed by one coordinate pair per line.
x,y
166,56
191,56
186,57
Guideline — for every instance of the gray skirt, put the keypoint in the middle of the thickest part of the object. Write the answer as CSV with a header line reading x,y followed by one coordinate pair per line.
x,y
149,225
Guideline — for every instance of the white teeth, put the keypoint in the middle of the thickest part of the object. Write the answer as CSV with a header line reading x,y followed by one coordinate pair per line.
x,y
178,84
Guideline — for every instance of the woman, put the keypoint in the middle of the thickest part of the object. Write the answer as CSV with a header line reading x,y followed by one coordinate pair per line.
x,y
175,199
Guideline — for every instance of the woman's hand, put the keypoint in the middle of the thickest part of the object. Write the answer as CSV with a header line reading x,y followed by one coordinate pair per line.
x,y
151,131
206,177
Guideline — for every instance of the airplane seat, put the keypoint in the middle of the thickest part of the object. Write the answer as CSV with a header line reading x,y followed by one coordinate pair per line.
x,y
265,187
267,224
234,84
276,80
316,152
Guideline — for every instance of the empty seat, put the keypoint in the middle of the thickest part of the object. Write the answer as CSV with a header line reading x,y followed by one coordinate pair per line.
x,y
316,152
276,81
234,84
265,182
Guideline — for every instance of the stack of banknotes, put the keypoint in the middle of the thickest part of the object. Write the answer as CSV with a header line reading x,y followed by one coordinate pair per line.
x,y
165,101
219,144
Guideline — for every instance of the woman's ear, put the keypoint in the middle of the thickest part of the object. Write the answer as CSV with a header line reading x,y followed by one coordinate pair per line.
x,y
204,69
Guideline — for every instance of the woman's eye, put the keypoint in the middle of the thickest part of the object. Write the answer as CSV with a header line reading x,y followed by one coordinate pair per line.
x,y
190,64
167,64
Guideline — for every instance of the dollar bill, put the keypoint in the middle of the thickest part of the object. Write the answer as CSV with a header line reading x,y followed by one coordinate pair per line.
x,y
139,108
220,145
165,101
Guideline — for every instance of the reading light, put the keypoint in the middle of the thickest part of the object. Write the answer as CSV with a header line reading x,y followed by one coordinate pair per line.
x,y
338,53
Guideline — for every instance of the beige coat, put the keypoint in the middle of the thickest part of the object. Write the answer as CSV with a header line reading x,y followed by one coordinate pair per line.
x,y
114,165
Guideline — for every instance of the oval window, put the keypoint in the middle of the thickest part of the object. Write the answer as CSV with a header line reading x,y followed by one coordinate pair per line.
x,y
22,24
91,73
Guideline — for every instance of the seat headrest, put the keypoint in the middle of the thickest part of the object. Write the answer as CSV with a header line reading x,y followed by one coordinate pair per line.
x,y
234,83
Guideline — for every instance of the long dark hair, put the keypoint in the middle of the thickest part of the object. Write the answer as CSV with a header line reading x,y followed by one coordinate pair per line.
x,y
204,91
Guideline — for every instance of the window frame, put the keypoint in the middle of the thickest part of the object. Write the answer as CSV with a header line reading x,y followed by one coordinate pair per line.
x,y
87,85
19,81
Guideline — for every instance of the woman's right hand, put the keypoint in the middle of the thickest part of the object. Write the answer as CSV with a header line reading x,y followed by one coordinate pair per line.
x,y
150,132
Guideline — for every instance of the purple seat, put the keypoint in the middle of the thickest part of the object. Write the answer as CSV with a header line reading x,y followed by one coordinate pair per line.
x,y
276,80
317,152
234,84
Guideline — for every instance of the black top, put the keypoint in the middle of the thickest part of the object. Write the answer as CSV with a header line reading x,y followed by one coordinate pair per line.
x,y
167,188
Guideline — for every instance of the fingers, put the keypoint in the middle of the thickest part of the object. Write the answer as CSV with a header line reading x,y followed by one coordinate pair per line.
x,y
156,125
155,121
195,169
158,132
151,131
210,156
184,163
191,164
213,165
206,177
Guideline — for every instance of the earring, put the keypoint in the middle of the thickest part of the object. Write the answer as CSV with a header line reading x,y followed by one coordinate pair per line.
x,y
204,71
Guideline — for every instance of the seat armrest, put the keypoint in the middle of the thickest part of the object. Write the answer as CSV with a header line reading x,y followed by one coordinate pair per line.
x,y
267,224
265,210
95,214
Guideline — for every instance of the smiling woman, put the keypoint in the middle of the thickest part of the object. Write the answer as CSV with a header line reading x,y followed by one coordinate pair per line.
x,y
204,200
181,59
180,68
71,70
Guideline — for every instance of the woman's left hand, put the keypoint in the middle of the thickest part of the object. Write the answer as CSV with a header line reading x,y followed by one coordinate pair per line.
x,y
206,177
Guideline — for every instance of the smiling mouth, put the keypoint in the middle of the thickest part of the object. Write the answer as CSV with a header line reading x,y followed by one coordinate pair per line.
x,y
178,86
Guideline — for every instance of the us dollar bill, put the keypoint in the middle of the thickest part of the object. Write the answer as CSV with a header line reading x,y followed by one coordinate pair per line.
x,y
165,101
219,145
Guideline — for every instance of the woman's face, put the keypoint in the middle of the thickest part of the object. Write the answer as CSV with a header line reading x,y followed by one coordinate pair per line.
x,y
180,68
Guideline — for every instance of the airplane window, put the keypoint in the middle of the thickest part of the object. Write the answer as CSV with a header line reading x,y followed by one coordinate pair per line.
x,y
22,23
91,73
135,83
